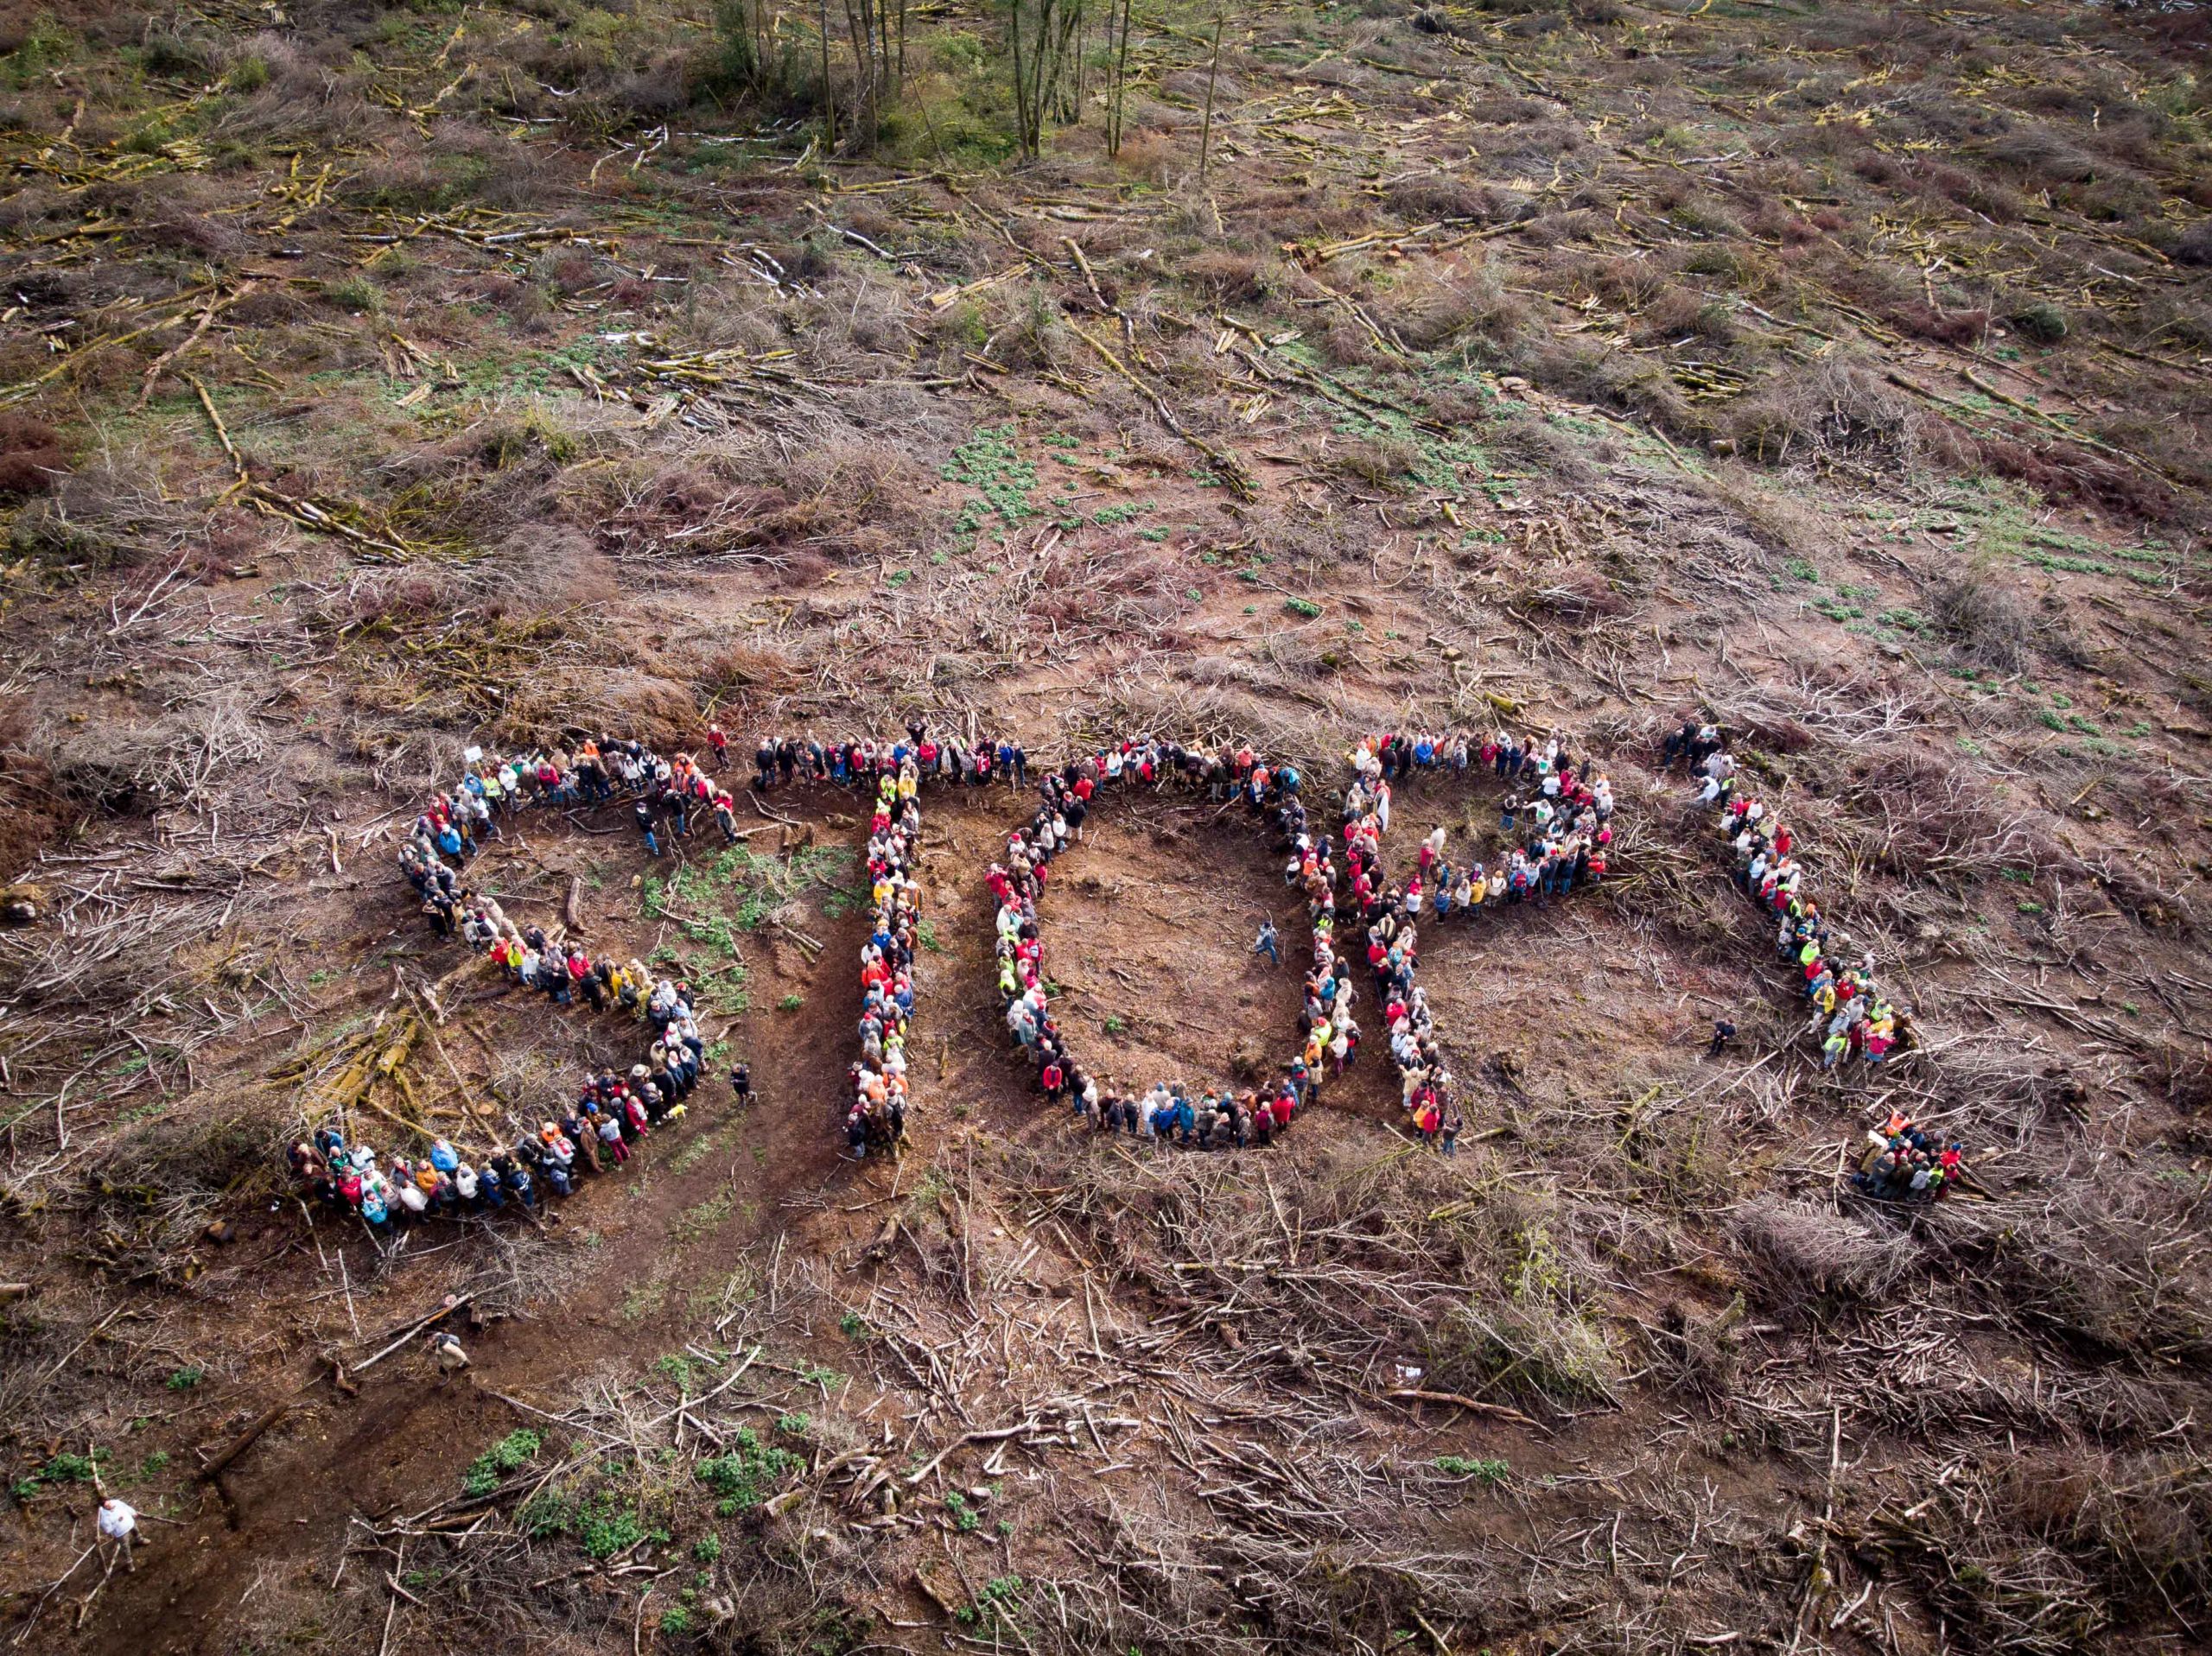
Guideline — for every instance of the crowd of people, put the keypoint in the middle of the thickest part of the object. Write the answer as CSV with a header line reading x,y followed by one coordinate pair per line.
x,y
592,1135
803,758
1558,812
665,794
1851,1016
1165,1112
1556,820
876,1114
1555,816
1903,1163
611,1114
671,797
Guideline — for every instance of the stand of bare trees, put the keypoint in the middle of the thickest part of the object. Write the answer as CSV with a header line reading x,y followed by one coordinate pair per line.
x,y
877,30
1045,38
759,58
745,30
1053,49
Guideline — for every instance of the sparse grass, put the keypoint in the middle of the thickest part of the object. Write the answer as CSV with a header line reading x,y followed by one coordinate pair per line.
x,y
715,902
990,463
702,1220
356,294
993,1605
691,1155
64,1467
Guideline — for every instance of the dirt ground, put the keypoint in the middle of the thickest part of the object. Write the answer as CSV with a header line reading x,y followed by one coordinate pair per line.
x,y
379,379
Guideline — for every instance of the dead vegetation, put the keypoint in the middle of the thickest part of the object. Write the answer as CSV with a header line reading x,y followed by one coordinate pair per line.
x,y
1991,625
380,381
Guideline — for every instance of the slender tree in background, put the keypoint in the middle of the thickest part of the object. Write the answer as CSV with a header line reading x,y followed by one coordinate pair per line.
x,y
1213,70
1014,25
1068,104
875,73
828,95
1039,36
1117,59
741,28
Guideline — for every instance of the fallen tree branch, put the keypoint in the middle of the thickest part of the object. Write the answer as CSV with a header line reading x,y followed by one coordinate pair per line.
x,y
991,1435
1231,469
1496,1411
410,1331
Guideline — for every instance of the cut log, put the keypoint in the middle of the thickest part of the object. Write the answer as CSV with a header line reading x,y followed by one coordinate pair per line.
x,y
244,1440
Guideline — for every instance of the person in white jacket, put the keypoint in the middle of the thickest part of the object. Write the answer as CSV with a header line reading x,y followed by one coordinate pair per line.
x,y
118,1522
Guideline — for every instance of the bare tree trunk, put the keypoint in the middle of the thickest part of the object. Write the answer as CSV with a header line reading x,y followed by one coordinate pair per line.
x,y
1067,105
862,25
1081,46
1040,48
1022,130
1117,87
1042,35
1213,69
829,97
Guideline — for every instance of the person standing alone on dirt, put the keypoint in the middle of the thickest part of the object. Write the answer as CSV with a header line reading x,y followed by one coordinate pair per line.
x,y
118,1522
1268,943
